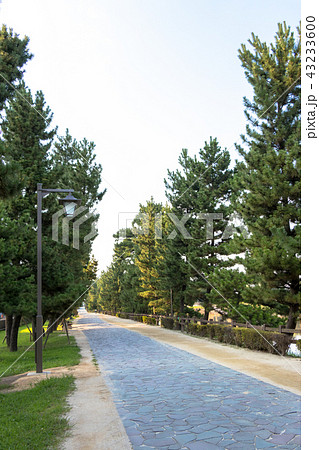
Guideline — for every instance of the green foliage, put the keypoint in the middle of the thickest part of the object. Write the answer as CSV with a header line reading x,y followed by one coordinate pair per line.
x,y
36,417
67,272
253,270
256,315
167,322
149,320
123,315
199,188
267,184
26,141
250,338
138,318
148,256
14,55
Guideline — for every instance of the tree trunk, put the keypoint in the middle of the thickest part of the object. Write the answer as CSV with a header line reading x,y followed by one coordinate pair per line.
x,y
8,328
14,333
171,303
50,326
293,316
55,322
181,306
182,300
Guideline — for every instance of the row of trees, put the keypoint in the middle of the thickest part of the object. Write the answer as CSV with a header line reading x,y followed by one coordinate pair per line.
x,y
32,152
255,271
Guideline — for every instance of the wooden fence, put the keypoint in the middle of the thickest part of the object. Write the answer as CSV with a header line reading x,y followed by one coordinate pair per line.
x,y
185,320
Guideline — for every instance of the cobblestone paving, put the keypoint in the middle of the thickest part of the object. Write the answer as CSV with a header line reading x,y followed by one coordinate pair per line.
x,y
168,398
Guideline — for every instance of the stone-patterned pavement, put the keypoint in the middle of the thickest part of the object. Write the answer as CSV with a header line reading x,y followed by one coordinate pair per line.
x,y
168,398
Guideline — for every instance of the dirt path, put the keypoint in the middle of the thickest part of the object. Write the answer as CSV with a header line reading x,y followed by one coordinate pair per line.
x,y
280,371
93,415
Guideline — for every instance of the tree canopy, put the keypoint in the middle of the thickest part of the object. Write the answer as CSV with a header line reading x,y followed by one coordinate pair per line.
x,y
230,236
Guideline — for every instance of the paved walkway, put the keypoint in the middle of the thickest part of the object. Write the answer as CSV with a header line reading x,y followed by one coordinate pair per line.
x,y
281,371
168,398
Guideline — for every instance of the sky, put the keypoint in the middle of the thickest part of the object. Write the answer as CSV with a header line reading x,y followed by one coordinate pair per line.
x,y
143,79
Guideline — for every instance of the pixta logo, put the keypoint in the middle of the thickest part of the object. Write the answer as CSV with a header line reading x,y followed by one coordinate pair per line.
x,y
75,227
140,223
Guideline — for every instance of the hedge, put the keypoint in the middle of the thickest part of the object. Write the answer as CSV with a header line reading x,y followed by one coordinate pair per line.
x,y
267,341
137,318
123,315
149,320
170,323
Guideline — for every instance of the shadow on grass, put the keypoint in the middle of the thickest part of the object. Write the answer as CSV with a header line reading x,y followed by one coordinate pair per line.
x,y
56,353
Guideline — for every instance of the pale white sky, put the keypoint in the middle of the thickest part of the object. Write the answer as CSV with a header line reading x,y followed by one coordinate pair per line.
x,y
142,79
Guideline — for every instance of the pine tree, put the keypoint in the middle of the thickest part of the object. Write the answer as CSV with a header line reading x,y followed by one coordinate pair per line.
x,y
13,56
66,270
124,252
173,270
268,179
26,141
17,287
147,256
91,300
201,189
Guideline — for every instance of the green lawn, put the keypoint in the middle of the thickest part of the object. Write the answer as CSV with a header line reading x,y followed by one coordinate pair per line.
x,y
57,353
34,418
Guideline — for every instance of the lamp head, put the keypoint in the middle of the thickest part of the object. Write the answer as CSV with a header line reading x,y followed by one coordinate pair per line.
x,y
69,203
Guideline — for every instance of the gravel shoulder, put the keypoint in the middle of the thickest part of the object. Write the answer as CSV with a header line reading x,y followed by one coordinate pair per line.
x,y
280,371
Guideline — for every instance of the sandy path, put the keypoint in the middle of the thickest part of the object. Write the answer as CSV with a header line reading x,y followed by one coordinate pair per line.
x,y
280,371
93,416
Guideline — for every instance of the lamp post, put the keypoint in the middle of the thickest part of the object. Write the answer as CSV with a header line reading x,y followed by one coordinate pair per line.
x,y
69,203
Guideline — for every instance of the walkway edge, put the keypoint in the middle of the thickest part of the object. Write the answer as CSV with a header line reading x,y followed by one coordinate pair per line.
x,y
95,421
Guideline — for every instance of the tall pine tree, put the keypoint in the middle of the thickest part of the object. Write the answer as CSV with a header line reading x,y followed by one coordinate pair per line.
x,y
147,257
14,54
201,190
26,141
268,179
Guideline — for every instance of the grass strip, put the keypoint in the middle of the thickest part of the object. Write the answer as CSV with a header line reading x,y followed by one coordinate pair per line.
x,y
35,418
56,353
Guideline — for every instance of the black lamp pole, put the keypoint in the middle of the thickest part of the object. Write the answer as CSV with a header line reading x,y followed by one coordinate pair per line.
x,y
39,321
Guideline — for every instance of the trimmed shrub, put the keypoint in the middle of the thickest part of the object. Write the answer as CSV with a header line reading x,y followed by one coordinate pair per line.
x,y
137,318
211,331
281,342
266,341
229,336
149,320
123,315
298,343
198,330
167,322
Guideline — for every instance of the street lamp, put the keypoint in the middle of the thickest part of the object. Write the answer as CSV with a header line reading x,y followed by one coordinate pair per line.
x,y
69,203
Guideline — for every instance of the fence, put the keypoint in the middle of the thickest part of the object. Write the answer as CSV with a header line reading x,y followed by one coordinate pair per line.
x,y
185,320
